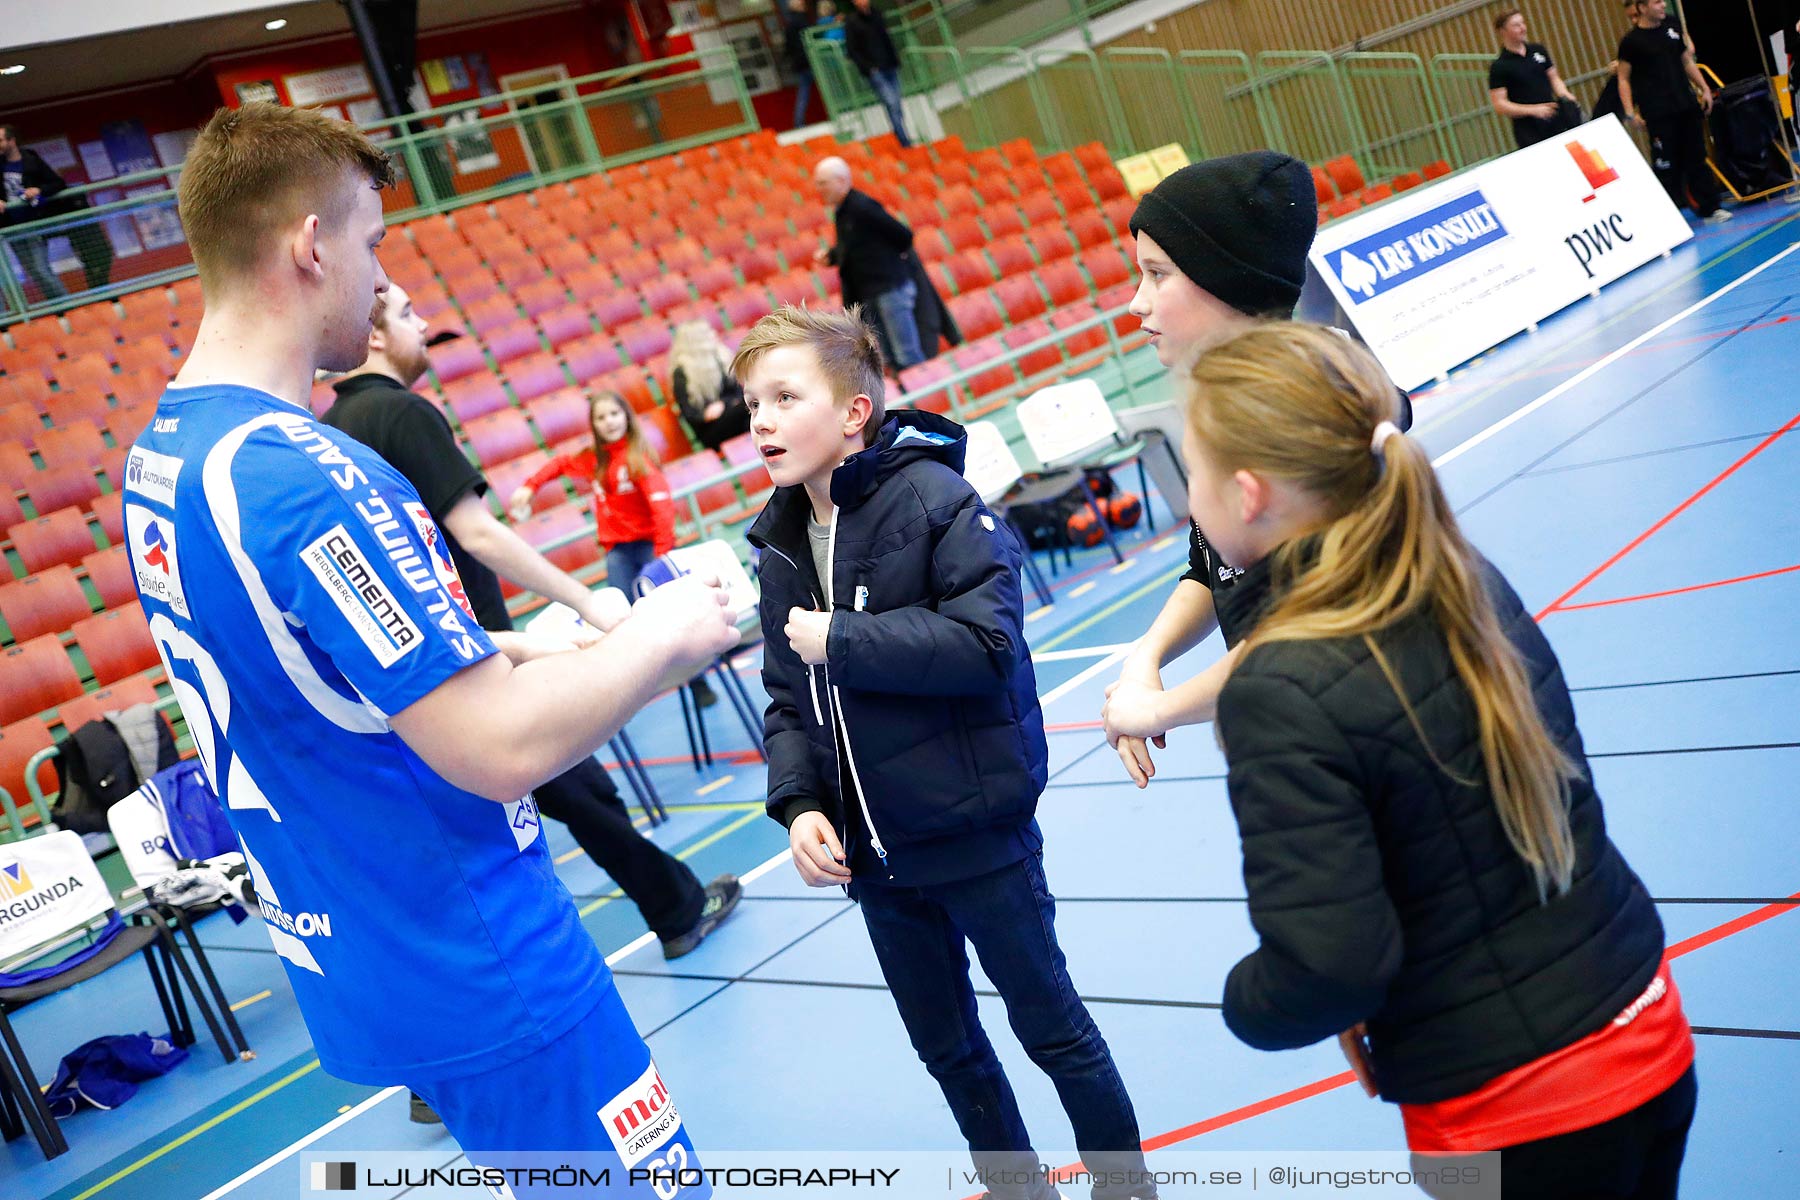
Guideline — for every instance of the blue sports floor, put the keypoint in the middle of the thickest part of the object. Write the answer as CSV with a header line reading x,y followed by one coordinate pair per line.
x,y
1630,466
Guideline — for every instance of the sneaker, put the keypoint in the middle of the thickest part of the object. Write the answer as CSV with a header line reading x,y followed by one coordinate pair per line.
x,y
423,1113
1719,217
722,895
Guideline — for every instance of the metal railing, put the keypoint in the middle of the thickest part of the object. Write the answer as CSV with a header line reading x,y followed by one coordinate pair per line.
x,y
446,157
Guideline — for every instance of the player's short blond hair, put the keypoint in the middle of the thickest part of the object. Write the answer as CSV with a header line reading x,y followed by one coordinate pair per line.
x,y
848,352
258,169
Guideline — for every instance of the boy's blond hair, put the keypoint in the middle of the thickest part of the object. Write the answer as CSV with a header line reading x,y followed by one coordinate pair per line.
x,y
259,168
848,352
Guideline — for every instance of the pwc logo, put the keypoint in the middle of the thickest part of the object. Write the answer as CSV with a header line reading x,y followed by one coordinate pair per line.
x,y
1593,168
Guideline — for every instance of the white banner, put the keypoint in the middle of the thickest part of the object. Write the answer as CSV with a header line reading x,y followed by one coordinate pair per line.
x,y
334,83
48,885
1444,272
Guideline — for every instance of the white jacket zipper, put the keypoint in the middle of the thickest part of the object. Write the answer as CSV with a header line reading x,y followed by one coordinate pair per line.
x,y
837,707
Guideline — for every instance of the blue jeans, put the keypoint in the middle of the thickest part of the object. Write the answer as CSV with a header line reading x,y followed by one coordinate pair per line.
x,y
899,324
887,89
625,561
802,98
919,934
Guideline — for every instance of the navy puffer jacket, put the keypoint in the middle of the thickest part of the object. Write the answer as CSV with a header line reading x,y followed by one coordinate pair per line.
x,y
927,685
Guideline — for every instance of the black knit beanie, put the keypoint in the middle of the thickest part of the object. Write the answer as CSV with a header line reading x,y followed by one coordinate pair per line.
x,y
1239,226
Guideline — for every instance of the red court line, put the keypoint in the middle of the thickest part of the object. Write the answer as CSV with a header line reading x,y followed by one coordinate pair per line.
x,y
1070,726
1645,536
1332,1082
1693,587
732,757
1719,933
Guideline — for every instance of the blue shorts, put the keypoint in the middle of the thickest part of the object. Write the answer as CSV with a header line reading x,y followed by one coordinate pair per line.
x,y
591,1100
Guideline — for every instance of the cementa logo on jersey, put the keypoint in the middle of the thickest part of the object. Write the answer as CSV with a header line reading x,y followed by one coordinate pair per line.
x,y
372,610
642,1119
154,560
1416,247
152,475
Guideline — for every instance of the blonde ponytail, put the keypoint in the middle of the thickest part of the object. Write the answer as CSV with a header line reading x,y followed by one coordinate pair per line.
x,y
1303,404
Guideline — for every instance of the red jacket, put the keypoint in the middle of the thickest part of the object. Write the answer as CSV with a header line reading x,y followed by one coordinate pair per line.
x,y
627,507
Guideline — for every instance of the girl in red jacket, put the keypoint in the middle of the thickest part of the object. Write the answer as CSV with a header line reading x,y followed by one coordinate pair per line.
x,y
634,516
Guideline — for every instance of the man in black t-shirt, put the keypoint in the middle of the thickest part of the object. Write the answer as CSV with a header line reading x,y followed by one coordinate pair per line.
x,y
1523,85
1658,80
376,407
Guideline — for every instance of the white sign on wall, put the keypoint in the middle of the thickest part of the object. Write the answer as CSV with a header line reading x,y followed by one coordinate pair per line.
x,y
323,87
1444,272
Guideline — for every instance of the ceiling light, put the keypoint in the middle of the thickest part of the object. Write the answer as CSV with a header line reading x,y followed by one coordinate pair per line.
x,y
277,23
12,70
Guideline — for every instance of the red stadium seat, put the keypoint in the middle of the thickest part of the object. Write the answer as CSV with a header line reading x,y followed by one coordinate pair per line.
x,y
1106,266
1435,170
109,571
62,488
91,706
560,415
117,643
535,375
795,287
500,436
1019,298
109,509
564,521
77,443
645,339
970,270
973,354
564,324
743,307
693,468
590,356
740,450
1064,282
975,314
1038,361
474,396
34,676
1345,175
917,382
1051,241
457,359
1090,229
511,341
48,601
62,536
660,295
1081,343
20,424
19,742
1012,255
29,388
713,279
662,429
963,233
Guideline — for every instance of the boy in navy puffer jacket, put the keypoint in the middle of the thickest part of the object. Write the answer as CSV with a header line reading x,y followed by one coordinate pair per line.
x,y
906,744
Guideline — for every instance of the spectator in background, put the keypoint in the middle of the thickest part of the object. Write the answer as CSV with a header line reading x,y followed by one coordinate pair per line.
x,y
710,399
795,21
1658,82
1608,103
1523,85
875,261
828,17
871,48
34,192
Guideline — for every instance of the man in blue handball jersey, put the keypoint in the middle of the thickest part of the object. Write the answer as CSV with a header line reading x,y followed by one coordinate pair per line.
x,y
374,748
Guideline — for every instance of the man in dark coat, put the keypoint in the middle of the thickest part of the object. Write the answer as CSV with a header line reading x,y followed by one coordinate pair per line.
x,y
33,192
876,265
871,48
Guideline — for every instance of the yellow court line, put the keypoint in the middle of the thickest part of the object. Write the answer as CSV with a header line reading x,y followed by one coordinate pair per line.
x,y
1162,543
1121,568
243,1004
197,1130
1082,589
714,786
687,853
1039,613
1083,626
569,856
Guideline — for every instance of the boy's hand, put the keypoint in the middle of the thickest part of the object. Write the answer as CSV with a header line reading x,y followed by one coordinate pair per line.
x,y
1354,1042
818,855
518,505
807,632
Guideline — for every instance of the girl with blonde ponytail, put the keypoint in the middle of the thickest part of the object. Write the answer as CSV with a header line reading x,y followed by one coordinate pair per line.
x,y
1426,859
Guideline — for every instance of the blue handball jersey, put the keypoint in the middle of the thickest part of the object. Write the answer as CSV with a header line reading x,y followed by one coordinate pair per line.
x,y
298,593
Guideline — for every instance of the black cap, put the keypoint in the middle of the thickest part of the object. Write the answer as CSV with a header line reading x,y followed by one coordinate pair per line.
x,y
1239,226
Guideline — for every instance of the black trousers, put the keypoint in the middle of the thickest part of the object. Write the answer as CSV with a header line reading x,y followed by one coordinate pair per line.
x,y
1636,1156
665,891
1678,156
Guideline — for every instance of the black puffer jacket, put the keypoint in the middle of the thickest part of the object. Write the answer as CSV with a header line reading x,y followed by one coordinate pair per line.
x,y
1385,891
927,678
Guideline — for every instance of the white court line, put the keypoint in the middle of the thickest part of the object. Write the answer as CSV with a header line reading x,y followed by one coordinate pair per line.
x,y
1080,652
1595,368
1117,655
1062,689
